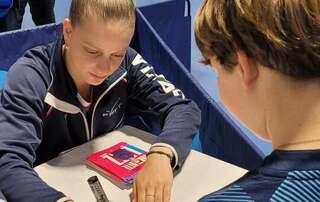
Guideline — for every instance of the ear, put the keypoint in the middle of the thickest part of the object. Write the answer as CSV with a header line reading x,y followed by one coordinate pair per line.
x,y
67,31
248,69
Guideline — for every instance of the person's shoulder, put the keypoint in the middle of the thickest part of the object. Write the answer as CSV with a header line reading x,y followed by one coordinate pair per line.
x,y
128,61
299,185
236,191
133,59
130,55
2,198
41,53
32,67
37,58
253,186
230,193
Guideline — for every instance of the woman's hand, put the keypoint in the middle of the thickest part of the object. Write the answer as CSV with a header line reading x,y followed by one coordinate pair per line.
x,y
154,181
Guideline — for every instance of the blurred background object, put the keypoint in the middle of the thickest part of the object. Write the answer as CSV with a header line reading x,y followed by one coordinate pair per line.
x,y
11,18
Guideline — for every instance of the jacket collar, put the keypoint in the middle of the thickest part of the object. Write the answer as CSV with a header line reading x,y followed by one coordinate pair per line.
x,y
279,162
62,92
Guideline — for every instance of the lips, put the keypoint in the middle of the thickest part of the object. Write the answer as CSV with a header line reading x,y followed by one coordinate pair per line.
x,y
97,77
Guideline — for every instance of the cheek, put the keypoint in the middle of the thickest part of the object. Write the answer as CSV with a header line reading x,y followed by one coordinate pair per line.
x,y
114,65
83,61
228,94
233,99
242,106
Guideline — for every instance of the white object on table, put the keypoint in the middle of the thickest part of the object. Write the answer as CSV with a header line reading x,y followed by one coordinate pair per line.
x,y
200,175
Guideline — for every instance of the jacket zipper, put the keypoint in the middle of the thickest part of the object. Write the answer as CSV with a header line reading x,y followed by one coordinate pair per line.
x,y
86,125
90,136
101,96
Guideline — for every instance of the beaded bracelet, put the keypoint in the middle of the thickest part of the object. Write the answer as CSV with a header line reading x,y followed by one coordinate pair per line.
x,y
160,152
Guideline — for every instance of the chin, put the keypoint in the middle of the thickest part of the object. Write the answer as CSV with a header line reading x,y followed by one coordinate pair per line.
x,y
95,82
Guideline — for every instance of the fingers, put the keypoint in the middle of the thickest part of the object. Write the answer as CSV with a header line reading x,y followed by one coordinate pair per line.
x,y
152,184
134,192
158,194
150,194
167,192
141,194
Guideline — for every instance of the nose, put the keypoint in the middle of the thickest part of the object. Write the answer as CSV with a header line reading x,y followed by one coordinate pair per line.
x,y
104,65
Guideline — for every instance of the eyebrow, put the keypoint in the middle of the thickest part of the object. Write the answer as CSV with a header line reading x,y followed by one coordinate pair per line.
x,y
96,48
90,46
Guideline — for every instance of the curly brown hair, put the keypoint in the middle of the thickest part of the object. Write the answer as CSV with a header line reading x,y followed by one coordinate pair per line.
x,y
283,35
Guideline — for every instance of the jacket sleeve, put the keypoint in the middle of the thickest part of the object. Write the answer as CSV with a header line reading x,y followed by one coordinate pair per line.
x,y
2,198
21,108
179,117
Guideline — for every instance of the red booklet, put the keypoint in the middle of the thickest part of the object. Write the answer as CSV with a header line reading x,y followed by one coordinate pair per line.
x,y
121,162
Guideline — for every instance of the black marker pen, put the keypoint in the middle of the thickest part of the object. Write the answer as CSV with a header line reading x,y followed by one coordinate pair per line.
x,y
97,189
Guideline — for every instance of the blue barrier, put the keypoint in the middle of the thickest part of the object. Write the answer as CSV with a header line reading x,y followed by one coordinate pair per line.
x,y
196,143
172,21
14,44
3,75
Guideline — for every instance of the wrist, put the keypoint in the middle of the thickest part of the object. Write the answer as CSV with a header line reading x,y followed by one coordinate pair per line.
x,y
161,149
161,154
168,149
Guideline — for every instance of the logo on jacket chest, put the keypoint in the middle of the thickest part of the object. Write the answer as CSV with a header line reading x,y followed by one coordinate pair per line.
x,y
114,109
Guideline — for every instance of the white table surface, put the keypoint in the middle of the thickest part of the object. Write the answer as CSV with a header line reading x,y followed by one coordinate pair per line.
x,y
201,174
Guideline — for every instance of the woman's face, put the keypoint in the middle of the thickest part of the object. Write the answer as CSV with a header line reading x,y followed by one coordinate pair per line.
x,y
95,49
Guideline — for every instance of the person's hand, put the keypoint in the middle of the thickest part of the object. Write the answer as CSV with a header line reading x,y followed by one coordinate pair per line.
x,y
154,181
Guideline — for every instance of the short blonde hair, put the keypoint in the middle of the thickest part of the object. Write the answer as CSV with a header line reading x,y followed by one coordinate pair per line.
x,y
105,10
281,34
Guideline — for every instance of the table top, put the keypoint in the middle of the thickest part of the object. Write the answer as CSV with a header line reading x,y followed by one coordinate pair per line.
x,y
201,174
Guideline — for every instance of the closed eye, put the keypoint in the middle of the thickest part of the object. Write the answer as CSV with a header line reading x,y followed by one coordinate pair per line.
x,y
117,55
91,51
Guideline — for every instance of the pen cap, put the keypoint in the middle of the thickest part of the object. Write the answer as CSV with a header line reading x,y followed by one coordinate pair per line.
x,y
92,179
97,189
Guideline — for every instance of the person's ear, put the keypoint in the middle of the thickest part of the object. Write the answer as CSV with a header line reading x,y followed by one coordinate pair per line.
x,y
67,31
248,69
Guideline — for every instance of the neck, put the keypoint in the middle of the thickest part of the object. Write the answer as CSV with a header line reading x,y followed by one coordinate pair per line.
x,y
293,118
85,92
83,89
